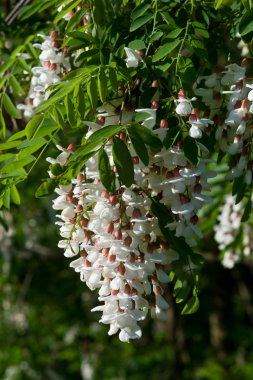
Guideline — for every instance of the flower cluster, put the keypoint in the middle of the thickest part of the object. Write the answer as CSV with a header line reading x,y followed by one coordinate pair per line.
x,y
122,249
229,228
54,64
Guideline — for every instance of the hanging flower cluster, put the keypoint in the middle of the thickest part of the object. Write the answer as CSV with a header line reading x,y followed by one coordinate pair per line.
x,y
54,64
122,249
228,230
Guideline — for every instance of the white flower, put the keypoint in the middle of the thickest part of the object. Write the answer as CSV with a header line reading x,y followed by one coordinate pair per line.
x,y
133,58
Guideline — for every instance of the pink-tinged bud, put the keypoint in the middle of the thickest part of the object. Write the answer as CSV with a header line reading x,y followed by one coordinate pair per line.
x,y
71,148
195,111
150,248
83,253
55,44
105,251
239,84
194,219
109,228
135,160
128,241
157,290
245,62
88,263
181,94
101,120
154,105
105,194
238,104
154,278
115,169
75,201
80,177
127,289
117,235
123,136
136,213
164,123
134,292
83,222
193,118
54,34
132,258
113,199
114,292
141,53
155,84
72,221
245,103
121,269
47,64
183,199
197,188
164,245
53,66
140,258
79,209
87,235
111,258
69,198
85,21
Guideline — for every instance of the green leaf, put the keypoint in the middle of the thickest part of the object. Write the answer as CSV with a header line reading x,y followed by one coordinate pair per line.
x,y
171,137
106,174
140,10
66,9
9,107
24,65
191,306
16,88
97,138
113,79
191,150
148,136
6,197
102,85
156,36
70,111
140,21
76,19
139,146
9,145
247,211
237,184
199,48
33,125
92,92
200,29
174,33
46,188
17,135
15,197
2,126
246,26
25,144
165,50
123,161
16,164
137,45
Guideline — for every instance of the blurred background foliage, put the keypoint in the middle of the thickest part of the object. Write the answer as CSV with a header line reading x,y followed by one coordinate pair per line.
x,y
47,331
